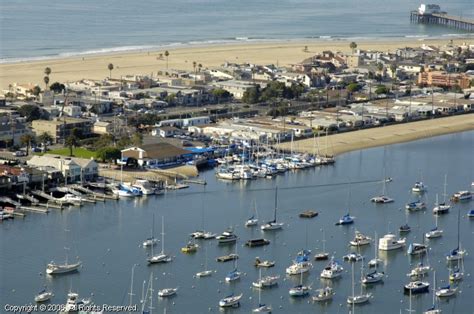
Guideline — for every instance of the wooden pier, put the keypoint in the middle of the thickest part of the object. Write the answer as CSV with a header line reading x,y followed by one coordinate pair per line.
x,y
443,20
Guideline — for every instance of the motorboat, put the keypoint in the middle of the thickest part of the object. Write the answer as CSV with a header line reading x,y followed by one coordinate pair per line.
x,y
389,242
299,291
373,277
470,214
332,270
227,236
204,273
145,187
190,248
382,199
416,287
233,276
322,256
150,241
301,264
230,301
209,235
347,219
419,187
446,291
417,249
227,258
419,270
416,205
55,269
198,234
74,304
353,257
323,294
360,239
257,242
43,296
266,282
262,308
167,292
462,196
404,228
265,263
72,199
375,262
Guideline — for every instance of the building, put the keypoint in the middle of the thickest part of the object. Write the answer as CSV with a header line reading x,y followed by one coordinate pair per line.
x,y
443,79
61,128
159,154
196,121
236,88
70,170
165,131
10,133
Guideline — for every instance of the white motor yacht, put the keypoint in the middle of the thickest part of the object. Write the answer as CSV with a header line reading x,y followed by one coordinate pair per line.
x,y
389,242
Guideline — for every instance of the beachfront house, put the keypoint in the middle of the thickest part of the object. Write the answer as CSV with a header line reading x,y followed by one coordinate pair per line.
x,y
154,155
70,170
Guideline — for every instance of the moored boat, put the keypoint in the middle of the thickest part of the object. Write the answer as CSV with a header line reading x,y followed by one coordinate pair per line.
x,y
230,301
416,287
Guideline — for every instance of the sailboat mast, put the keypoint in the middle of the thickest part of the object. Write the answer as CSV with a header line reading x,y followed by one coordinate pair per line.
x,y
162,234
445,184
276,203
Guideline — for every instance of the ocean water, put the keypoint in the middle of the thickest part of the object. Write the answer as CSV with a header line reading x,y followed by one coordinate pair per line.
x,y
47,28
107,236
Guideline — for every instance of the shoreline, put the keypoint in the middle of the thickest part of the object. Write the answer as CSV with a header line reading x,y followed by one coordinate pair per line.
x,y
94,66
388,135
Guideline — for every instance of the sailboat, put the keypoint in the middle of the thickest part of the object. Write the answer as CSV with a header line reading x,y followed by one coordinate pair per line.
x,y
435,232
382,199
273,225
362,297
374,276
44,295
262,307
322,256
234,274
54,268
301,264
206,272
265,282
434,309
300,290
457,274
151,240
253,220
442,208
231,301
375,261
323,294
161,257
458,253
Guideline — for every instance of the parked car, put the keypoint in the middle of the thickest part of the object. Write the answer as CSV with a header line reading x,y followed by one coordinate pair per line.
x,y
19,153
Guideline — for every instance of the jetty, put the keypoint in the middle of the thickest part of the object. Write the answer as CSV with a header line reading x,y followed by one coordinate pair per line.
x,y
431,14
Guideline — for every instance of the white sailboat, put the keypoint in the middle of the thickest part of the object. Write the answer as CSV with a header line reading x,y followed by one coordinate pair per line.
x,y
44,295
55,269
151,240
434,309
262,307
374,276
253,220
375,261
234,274
323,255
457,273
458,253
273,225
362,297
442,208
300,290
435,232
231,301
161,257
206,272
382,199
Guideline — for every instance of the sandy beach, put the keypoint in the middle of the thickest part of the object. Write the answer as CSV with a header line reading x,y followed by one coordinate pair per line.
x,y
350,141
95,66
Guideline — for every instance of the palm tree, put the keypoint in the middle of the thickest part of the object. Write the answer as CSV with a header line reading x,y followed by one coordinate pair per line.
x,y
393,69
194,67
199,67
353,46
167,55
27,140
71,141
45,138
46,82
47,71
110,67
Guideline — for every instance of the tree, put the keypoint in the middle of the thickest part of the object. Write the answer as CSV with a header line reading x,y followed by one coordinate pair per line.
x,y
27,140
170,98
46,82
71,142
353,46
137,139
220,94
36,90
108,153
110,67
45,138
353,87
57,87
167,55
393,68
199,67
381,89
379,67
30,112
47,71
251,95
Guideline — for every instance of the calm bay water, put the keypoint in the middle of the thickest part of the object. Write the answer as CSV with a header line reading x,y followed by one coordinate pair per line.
x,y
42,28
107,236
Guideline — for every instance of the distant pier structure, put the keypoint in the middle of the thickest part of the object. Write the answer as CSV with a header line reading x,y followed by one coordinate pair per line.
x,y
432,14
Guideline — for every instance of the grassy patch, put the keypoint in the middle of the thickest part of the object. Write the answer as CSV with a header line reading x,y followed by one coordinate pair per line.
x,y
76,152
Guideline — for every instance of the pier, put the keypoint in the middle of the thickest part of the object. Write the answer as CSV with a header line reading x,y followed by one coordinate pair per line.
x,y
443,20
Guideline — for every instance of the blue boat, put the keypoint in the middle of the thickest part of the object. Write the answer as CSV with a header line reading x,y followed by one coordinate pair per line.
x,y
470,214
347,219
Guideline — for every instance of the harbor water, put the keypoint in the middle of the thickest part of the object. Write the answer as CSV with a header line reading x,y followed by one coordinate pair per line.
x,y
107,236
51,28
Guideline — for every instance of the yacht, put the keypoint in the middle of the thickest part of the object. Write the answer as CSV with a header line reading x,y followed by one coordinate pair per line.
x,y
190,248
419,270
262,308
150,241
43,296
382,199
417,249
360,239
324,294
54,269
373,277
462,196
145,187
416,287
301,264
434,233
266,282
227,236
167,292
332,270
470,214
456,254
347,219
227,174
299,291
266,263
230,301
209,235
404,228
232,276
198,234
416,205
419,187
389,242
353,257
456,275
252,221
